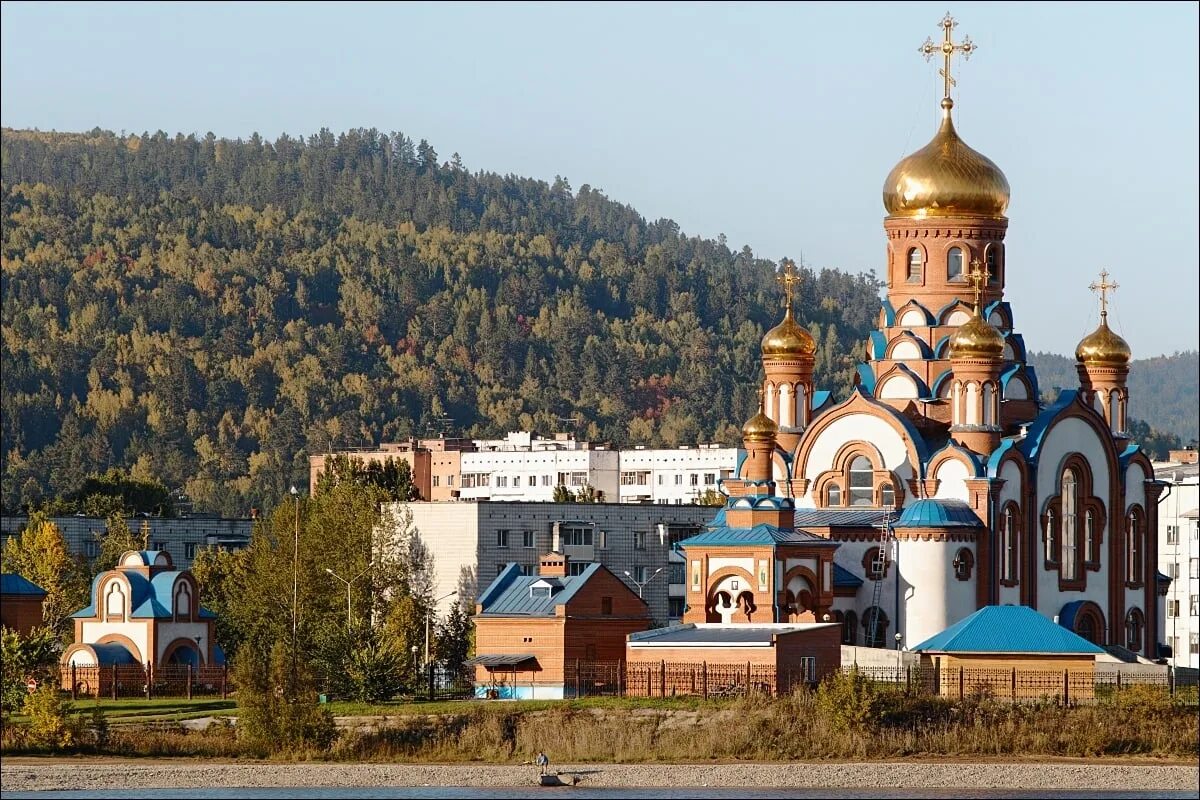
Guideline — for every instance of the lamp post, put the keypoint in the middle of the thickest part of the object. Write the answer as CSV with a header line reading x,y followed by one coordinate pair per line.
x,y
348,583
295,583
642,584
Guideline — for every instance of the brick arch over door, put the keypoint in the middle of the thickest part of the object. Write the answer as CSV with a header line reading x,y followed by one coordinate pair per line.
x,y
715,579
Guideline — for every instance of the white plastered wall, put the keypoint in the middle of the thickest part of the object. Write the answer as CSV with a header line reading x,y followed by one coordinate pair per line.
x,y
856,427
136,632
170,631
952,475
1135,494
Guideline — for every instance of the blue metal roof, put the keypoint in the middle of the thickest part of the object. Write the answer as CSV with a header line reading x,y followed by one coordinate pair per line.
x,y
889,313
911,304
820,397
12,583
938,514
838,518
509,593
761,534
971,457
149,598
938,347
844,577
1008,629
866,379
1041,423
112,653
878,344
942,377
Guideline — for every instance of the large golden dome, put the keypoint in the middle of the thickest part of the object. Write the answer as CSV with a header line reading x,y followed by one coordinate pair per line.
x,y
788,339
1103,348
945,178
975,338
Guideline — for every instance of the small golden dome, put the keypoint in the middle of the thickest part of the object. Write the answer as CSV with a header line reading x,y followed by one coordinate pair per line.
x,y
1103,347
760,427
788,339
975,338
945,178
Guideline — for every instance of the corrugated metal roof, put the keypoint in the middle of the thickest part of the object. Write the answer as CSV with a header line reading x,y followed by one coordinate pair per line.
x,y
1008,629
938,514
499,660
12,583
835,518
761,534
735,635
844,577
509,594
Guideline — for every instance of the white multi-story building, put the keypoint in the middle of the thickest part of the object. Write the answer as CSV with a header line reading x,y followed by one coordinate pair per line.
x,y
471,542
526,468
1179,554
675,477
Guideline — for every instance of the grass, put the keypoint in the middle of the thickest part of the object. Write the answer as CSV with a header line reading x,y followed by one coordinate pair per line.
x,y
138,709
341,708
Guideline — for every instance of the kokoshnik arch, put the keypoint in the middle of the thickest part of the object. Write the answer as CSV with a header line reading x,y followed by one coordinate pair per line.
x,y
942,471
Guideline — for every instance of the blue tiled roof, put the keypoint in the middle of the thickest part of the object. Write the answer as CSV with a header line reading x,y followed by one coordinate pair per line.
x,y
938,514
844,577
12,583
761,534
149,598
835,518
509,593
1007,629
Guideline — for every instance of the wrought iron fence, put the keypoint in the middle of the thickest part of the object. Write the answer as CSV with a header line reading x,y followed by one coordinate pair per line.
x,y
144,680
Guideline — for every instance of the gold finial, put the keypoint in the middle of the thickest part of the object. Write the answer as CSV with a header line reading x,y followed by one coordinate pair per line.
x,y
1103,287
978,277
789,278
948,48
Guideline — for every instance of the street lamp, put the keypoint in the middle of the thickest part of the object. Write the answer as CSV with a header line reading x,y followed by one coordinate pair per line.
x,y
348,583
642,584
295,582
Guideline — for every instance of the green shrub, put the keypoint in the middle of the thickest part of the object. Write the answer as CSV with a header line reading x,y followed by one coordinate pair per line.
x,y
51,723
849,701
276,713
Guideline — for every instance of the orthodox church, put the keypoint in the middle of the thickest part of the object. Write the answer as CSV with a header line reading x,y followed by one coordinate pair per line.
x,y
942,484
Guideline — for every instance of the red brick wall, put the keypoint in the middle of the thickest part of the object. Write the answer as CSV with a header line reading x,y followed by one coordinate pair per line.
x,y
823,644
496,635
22,613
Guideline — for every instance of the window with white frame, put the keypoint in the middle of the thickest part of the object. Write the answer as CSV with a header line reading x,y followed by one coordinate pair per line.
x,y
1172,608
501,538
189,549
1172,534
528,539
1194,605
545,480
577,567
639,540
628,478
694,479
575,535
710,479
678,479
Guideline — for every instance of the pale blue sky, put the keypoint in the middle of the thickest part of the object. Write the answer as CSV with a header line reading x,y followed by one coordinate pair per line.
x,y
774,124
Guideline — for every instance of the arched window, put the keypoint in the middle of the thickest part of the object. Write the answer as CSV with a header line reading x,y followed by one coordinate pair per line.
x,y
993,263
850,628
1010,545
954,264
964,561
1085,626
887,496
1135,547
875,625
861,482
1134,626
915,262
835,496
875,564
1070,525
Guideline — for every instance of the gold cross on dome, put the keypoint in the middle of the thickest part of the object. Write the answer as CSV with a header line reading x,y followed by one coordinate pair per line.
x,y
947,48
1103,287
978,277
789,278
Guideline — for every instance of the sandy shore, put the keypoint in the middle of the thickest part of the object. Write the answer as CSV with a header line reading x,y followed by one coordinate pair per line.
x,y
84,774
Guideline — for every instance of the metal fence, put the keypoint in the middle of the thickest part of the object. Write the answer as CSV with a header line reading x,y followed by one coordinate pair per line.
x,y
682,679
138,680
1062,686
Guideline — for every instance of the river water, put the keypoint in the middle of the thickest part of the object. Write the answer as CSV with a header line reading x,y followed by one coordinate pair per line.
x,y
582,793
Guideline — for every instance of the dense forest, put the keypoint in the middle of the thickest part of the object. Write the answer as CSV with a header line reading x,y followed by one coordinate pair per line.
x,y
207,312
1164,391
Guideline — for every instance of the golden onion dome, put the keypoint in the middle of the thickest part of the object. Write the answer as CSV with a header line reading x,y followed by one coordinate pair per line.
x,y
788,339
760,427
945,178
1103,347
975,338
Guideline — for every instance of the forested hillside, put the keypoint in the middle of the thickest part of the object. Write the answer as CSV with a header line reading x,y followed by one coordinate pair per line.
x,y
1164,391
211,311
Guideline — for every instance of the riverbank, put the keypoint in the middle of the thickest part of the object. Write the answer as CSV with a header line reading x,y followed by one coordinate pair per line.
x,y
85,774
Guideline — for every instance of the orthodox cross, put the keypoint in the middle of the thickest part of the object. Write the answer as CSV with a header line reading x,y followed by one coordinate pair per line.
x,y
789,278
948,48
978,277
1103,287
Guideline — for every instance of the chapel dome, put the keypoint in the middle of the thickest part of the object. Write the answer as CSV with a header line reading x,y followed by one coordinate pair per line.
x,y
975,338
788,339
1103,347
945,178
759,428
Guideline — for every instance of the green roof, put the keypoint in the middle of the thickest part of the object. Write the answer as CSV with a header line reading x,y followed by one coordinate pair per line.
x,y
1008,629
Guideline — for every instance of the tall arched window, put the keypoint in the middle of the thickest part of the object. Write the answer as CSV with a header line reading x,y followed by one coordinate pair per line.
x,y
1070,525
1009,544
1135,547
861,482
915,263
954,264
887,496
1135,624
1089,535
993,263
875,625
850,628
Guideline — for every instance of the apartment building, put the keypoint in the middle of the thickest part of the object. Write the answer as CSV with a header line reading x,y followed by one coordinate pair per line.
x,y
674,477
434,463
471,543
1179,554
